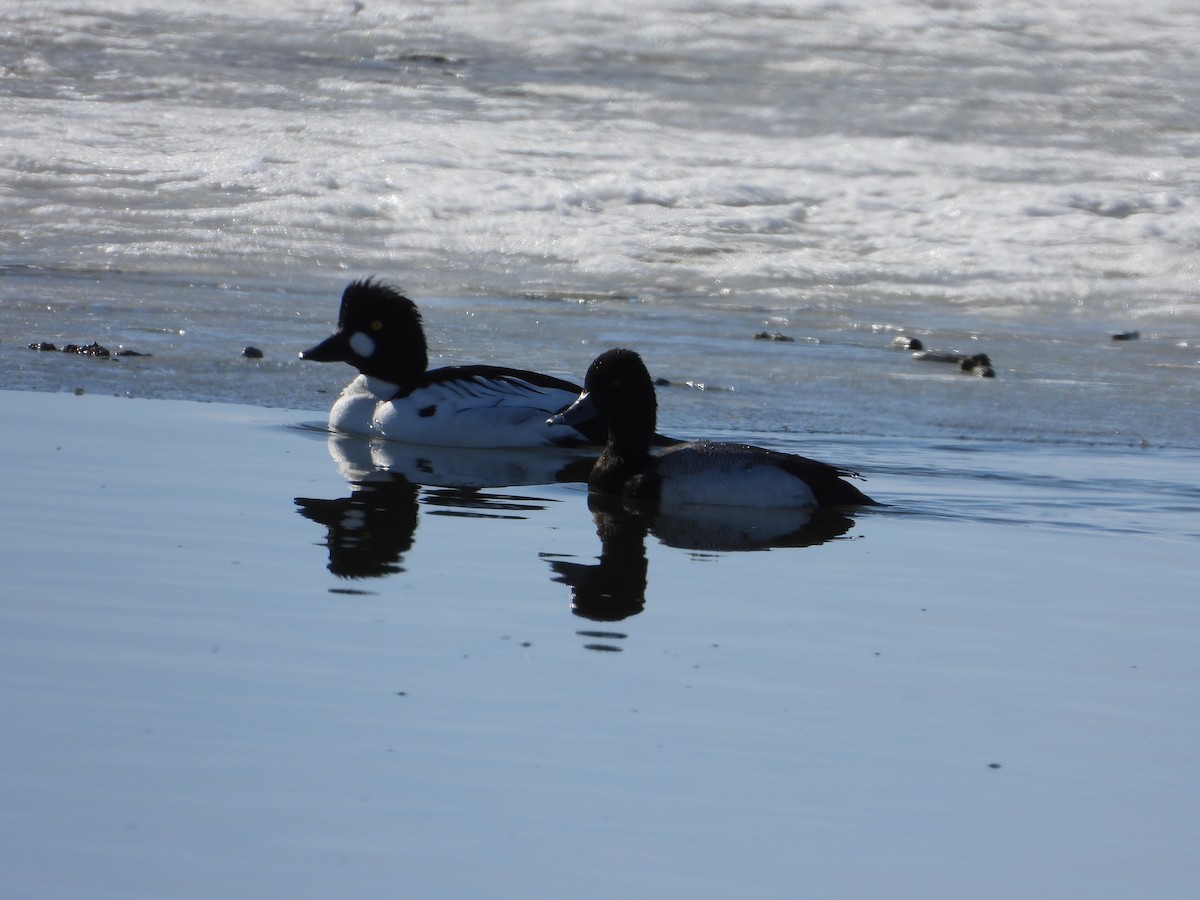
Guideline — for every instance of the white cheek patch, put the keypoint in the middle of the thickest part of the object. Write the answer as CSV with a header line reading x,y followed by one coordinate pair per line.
x,y
362,344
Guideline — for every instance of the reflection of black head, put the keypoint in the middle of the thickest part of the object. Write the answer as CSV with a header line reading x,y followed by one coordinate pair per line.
x,y
369,531
615,587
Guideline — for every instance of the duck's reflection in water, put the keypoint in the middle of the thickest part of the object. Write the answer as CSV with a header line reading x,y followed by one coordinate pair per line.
x,y
614,587
362,459
369,531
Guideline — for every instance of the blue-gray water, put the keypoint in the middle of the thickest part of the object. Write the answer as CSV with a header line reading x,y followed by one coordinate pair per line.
x,y
218,682
225,670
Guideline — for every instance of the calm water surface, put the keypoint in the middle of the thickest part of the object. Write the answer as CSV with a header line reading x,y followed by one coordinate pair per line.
x,y
234,654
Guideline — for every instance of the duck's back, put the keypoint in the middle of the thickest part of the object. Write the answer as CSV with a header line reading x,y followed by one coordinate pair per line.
x,y
466,406
721,474
441,417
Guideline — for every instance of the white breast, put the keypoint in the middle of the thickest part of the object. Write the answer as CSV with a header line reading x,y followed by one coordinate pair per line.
x,y
354,410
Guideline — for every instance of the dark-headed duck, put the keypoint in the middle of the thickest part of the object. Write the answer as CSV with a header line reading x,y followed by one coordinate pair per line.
x,y
618,389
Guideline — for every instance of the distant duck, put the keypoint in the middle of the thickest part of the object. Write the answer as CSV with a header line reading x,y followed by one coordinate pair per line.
x,y
979,364
618,388
971,364
379,333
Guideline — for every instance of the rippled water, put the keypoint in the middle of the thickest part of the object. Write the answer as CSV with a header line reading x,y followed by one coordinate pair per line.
x,y
552,178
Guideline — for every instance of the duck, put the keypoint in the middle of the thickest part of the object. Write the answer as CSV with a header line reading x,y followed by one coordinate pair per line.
x,y
970,364
397,397
618,389
979,364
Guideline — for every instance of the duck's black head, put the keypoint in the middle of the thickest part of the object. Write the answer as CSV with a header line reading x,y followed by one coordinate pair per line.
x,y
622,392
379,333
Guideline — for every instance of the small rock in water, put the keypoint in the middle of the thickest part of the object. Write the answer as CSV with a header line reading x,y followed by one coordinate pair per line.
x,y
252,352
93,349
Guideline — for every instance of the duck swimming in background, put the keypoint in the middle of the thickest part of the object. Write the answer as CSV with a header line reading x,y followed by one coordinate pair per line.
x,y
379,333
971,364
618,389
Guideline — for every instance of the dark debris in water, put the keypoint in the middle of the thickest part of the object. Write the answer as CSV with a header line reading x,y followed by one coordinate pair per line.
x,y
694,385
778,337
94,350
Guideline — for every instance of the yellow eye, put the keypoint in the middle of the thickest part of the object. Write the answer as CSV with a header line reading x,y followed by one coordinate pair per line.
x,y
376,325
